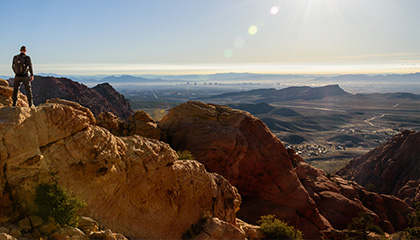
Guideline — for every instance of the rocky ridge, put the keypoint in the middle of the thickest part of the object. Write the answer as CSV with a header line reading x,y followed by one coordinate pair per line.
x,y
270,178
133,185
393,167
101,98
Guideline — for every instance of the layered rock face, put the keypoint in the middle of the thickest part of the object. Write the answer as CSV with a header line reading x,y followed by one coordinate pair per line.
x,y
102,98
133,185
393,167
270,178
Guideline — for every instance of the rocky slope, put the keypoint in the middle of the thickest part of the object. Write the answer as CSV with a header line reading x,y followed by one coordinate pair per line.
x,y
393,167
133,185
270,178
102,98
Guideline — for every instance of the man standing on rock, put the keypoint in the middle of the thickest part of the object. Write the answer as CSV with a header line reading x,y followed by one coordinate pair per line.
x,y
21,65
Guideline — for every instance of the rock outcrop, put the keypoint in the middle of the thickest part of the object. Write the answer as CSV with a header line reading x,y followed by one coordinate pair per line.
x,y
140,123
102,98
340,200
6,93
393,167
132,185
270,178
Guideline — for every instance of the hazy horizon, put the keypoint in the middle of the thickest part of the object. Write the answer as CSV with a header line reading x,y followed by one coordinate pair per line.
x,y
196,37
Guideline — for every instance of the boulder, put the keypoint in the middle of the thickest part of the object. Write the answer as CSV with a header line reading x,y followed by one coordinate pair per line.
x,y
133,185
240,147
140,123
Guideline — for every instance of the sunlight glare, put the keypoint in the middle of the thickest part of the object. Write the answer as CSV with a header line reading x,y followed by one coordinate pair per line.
x,y
274,10
252,30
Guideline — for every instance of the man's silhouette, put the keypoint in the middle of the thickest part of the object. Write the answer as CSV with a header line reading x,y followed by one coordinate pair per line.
x,y
22,65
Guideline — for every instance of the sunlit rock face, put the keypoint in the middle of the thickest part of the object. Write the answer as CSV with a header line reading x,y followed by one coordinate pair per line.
x,y
133,185
270,178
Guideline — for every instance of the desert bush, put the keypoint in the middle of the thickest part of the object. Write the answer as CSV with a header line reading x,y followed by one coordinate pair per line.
x,y
54,202
185,155
274,228
360,227
413,232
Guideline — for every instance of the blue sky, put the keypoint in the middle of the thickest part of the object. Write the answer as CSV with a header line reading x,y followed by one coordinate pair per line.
x,y
203,36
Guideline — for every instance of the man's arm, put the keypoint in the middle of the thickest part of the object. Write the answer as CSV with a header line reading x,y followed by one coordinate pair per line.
x,y
29,63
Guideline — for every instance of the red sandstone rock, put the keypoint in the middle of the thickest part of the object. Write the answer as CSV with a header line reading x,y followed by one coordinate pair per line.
x,y
270,178
393,168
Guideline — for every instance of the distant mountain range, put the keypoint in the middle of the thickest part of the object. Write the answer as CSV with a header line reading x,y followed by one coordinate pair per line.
x,y
286,94
305,93
149,78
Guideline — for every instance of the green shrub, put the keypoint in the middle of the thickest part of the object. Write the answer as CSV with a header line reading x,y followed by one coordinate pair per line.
x,y
361,226
274,228
413,232
185,155
54,202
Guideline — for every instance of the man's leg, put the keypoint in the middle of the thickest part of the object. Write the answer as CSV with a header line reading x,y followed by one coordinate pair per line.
x,y
16,85
27,83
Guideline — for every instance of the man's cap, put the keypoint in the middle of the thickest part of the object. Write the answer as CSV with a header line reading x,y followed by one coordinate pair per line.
x,y
23,49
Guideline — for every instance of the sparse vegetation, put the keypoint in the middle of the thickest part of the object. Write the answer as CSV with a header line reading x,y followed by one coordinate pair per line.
x,y
196,228
274,228
185,155
413,232
54,202
360,227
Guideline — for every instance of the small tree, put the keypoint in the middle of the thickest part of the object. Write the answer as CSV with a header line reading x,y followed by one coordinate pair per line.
x,y
361,226
274,228
53,201
413,232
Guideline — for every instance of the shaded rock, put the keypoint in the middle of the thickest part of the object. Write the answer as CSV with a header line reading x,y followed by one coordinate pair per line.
x,y
102,98
4,83
240,147
111,122
340,200
270,178
120,104
140,123
133,185
393,167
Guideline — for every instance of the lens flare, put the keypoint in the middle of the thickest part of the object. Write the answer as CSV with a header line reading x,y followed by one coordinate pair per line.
x,y
228,53
239,42
252,30
274,10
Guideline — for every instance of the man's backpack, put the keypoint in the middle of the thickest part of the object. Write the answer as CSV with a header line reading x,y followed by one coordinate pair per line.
x,y
19,65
